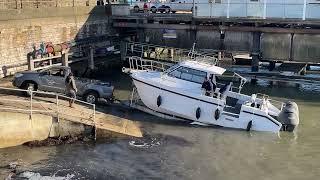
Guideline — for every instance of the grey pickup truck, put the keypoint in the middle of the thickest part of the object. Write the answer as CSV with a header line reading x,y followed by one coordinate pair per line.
x,y
53,80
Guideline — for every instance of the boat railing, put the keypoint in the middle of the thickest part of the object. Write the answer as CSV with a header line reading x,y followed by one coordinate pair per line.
x,y
278,104
138,63
201,56
169,54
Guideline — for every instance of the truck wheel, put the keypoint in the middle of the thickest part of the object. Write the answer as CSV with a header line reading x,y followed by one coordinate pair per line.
x,y
91,97
153,9
136,9
167,9
162,9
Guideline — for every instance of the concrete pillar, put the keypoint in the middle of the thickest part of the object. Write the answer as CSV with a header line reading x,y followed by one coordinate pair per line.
x,y
219,56
123,50
255,51
141,35
291,48
222,45
65,57
272,65
304,10
193,36
228,9
91,58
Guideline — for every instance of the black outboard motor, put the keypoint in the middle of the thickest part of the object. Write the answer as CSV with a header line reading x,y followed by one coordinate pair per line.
x,y
289,116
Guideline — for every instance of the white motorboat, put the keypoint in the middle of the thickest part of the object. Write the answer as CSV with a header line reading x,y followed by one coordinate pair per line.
x,y
177,92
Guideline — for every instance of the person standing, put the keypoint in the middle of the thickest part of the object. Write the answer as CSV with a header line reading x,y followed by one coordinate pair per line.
x,y
206,86
71,88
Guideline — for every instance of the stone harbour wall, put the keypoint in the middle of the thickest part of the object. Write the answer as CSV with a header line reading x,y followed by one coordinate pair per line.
x,y
28,27
21,4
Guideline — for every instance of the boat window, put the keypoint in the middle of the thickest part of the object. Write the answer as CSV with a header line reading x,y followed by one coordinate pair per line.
x,y
188,74
176,74
198,79
172,68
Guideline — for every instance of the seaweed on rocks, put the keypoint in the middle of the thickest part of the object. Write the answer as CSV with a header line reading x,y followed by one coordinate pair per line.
x,y
53,141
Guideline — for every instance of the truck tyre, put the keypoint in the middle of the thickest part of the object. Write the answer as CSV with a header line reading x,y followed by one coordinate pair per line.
x,y
136,9
167,9
162,9
91,97
153,9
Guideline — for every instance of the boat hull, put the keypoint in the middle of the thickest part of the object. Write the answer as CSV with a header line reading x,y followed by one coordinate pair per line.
x,y
201,108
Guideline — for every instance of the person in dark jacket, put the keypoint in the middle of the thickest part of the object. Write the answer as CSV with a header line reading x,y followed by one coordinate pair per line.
x,y
213,84
71,88
206,86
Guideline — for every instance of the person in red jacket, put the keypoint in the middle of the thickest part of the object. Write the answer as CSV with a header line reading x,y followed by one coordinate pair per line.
x,y
145,7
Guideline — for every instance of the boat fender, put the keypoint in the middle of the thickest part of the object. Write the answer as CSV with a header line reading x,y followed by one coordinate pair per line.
x,y
249,126
198,113
159,100
217,114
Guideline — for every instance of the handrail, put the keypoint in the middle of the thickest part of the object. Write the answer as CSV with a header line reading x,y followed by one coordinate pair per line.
x,y
31,102
176,55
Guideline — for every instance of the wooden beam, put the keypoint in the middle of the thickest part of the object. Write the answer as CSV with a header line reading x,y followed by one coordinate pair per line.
x,y
212,28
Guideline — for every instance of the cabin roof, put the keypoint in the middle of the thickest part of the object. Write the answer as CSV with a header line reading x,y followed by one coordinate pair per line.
x,y
204,67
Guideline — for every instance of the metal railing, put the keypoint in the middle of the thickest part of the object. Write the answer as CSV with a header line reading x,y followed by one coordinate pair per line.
x,y
170,54
260,9
138,63
278,104
44,103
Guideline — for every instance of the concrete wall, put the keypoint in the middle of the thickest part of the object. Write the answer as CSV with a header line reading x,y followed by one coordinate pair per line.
x,y
234,41
207,39
17,128
306,48
23,28
185,38
275,46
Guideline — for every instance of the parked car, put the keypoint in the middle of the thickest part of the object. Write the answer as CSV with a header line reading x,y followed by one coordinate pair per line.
x,y
174,6
143,5
53,80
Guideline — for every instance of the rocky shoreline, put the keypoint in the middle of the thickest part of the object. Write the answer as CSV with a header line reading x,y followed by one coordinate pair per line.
x,y
54,141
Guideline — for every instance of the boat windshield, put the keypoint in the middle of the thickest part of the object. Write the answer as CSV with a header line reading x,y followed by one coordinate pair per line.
x,y
171,68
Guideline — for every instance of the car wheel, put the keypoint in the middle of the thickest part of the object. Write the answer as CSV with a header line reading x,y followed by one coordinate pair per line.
x,y
167,9
173,12
136,9
162,9
91,97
